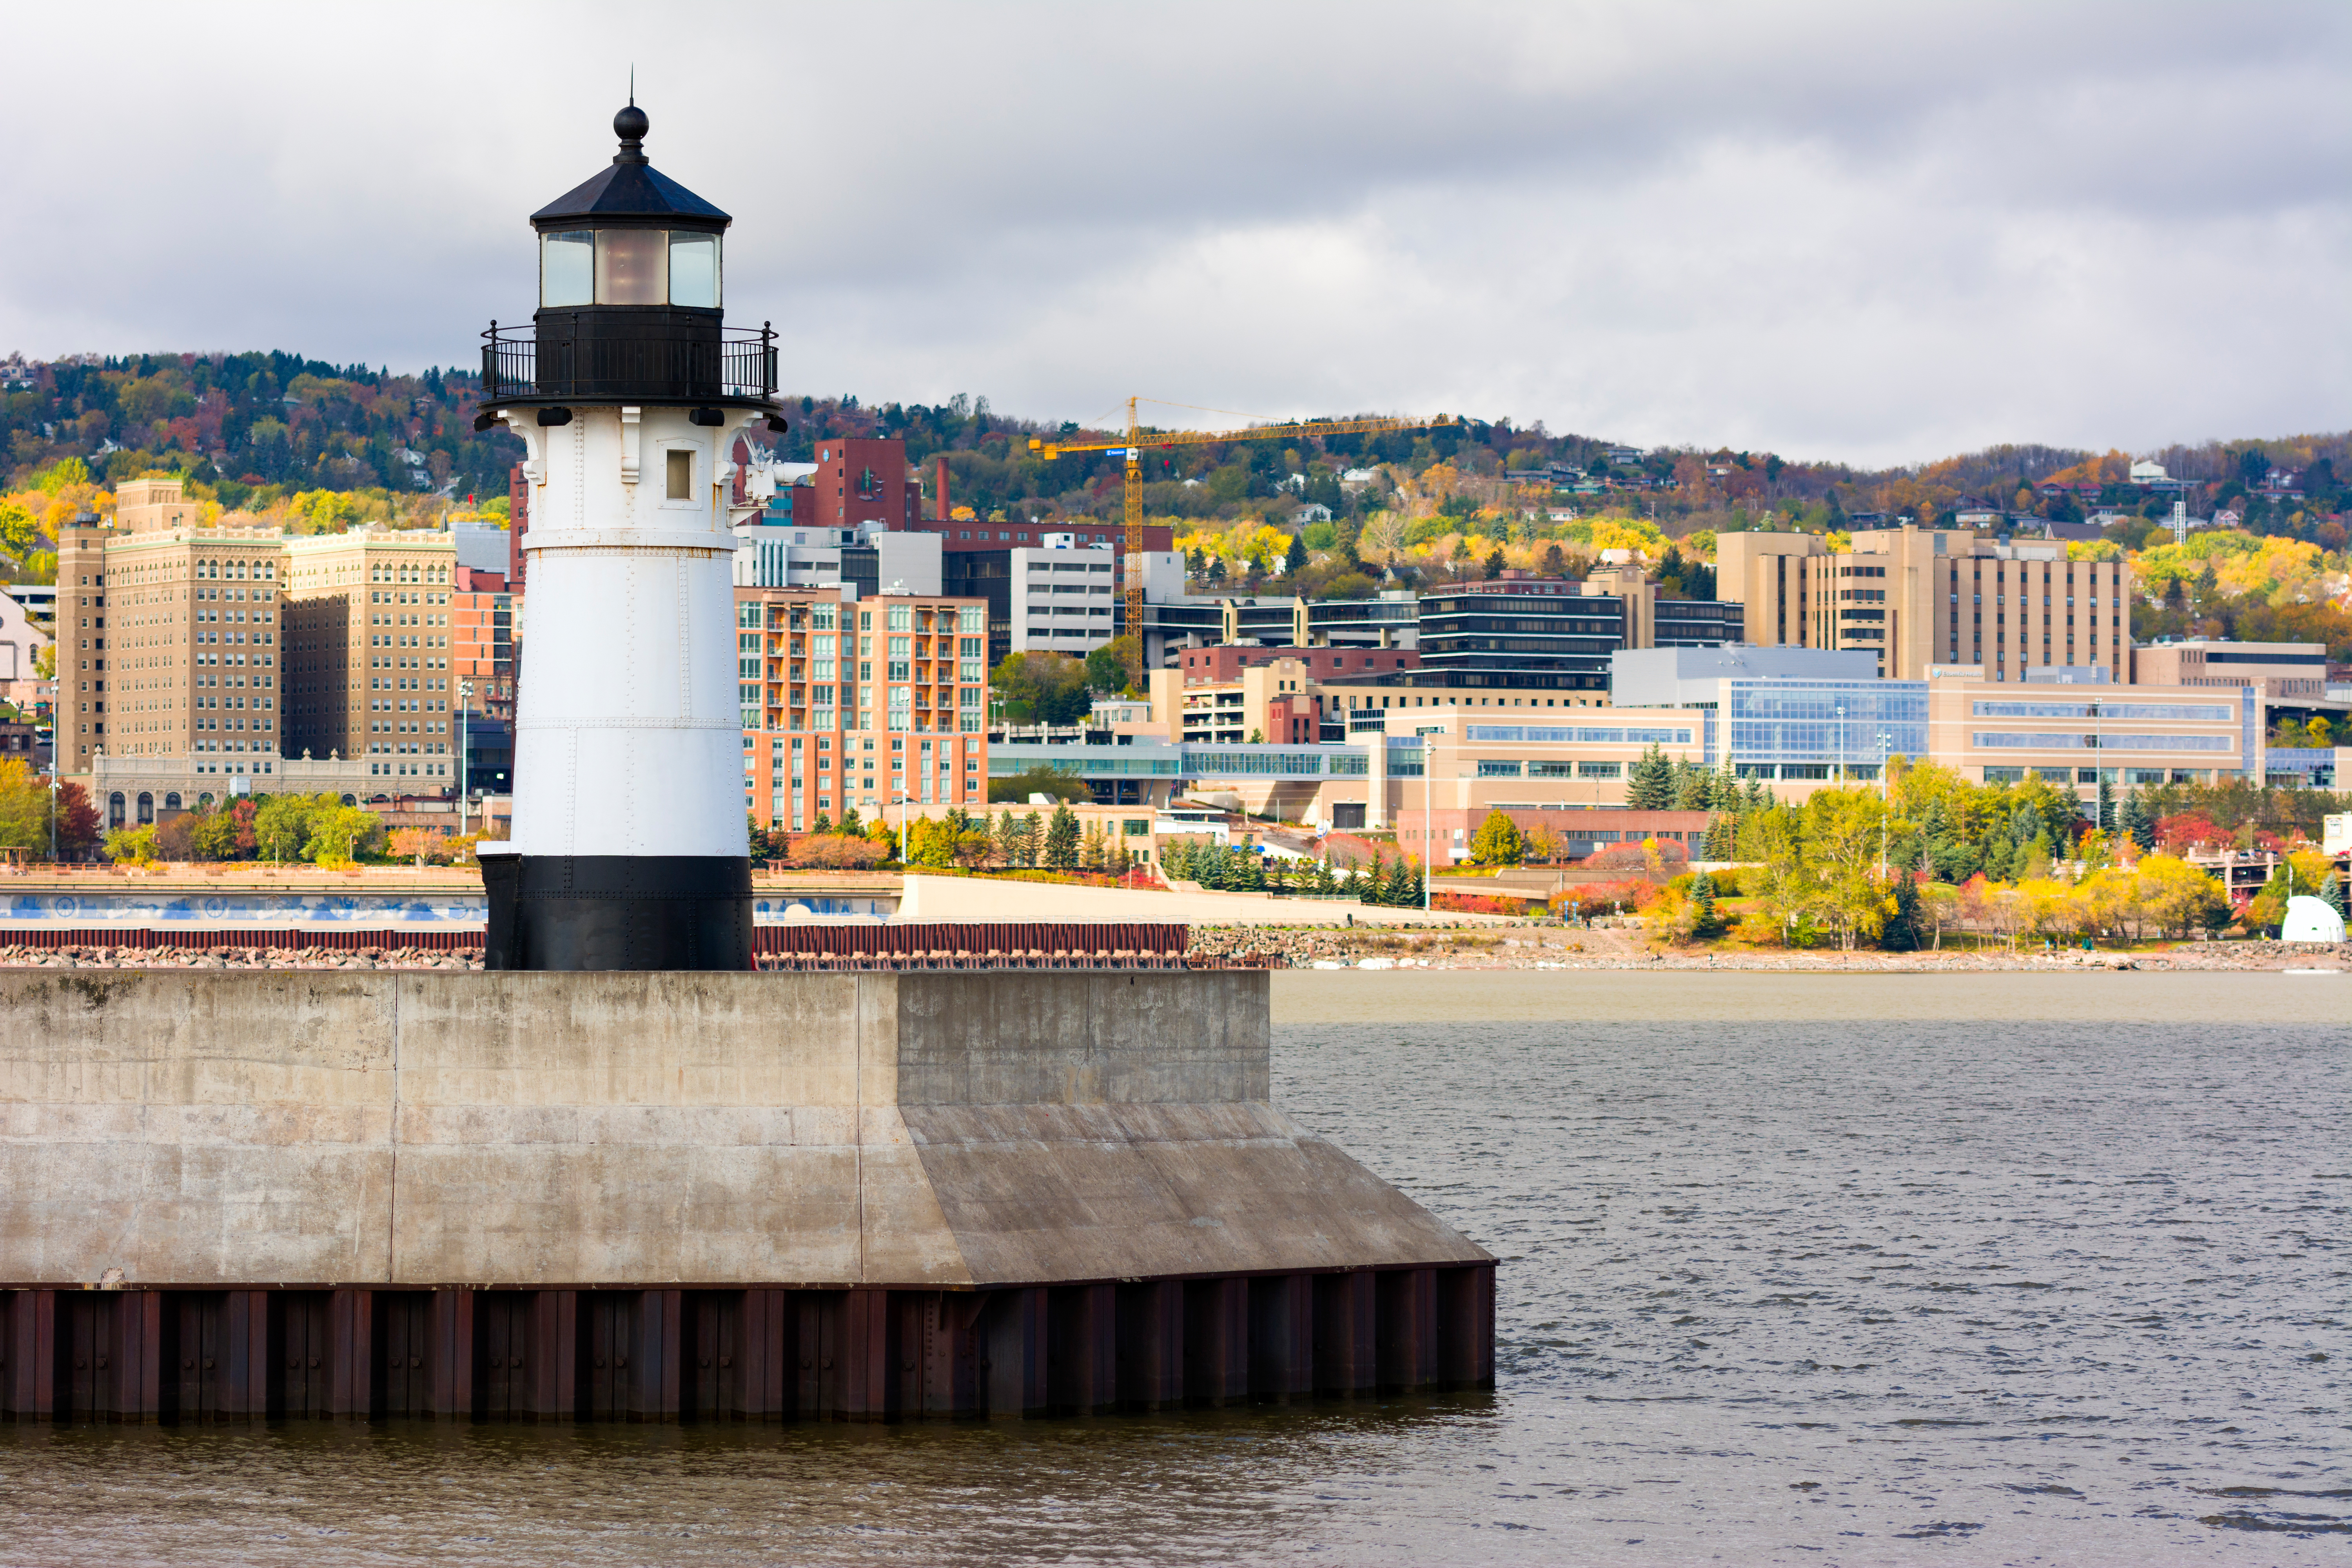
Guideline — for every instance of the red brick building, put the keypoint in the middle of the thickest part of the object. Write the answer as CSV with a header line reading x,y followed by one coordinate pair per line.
x,y
861,480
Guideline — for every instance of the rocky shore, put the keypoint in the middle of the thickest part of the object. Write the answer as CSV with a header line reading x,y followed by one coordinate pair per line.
x,y
1552,947
1488,947
17,956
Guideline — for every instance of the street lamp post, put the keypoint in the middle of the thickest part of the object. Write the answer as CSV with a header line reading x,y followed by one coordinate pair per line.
x,y
2099,762
1428,805
1885,740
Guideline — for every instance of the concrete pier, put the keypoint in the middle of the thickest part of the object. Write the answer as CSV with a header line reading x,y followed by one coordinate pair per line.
x,y
671,1196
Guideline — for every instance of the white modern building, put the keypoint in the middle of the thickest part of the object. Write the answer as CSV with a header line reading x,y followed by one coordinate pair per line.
x,y
1064,598
870,558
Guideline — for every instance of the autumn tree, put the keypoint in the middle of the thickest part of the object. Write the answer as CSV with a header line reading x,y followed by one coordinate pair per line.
x,y
1042,689
1497,842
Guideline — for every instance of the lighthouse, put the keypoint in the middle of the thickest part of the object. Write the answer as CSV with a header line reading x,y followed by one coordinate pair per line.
x,y
628,848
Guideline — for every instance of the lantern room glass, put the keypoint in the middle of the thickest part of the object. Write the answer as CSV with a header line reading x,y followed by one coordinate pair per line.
x,y
632,266
694,270
567,267
629,267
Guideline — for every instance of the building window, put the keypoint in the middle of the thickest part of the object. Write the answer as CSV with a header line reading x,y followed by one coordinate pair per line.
x,y
680,465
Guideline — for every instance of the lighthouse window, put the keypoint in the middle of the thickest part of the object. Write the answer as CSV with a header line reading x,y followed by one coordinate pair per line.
x,y
567,267
694,270
681,474
629,266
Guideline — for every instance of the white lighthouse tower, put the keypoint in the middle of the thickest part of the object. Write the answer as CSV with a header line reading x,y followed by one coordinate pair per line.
x,y
629,845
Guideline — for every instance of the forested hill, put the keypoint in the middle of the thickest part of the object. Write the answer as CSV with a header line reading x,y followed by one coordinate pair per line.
x,y
261,431
239,424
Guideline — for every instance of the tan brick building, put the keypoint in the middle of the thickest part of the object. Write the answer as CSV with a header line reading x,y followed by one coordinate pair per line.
x,y
169,642
370,640
1922,597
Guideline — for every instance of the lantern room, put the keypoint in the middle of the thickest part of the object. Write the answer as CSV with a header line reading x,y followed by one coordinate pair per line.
x,y
632,290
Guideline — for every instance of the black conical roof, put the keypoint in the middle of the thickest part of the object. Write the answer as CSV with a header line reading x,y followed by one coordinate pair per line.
x,y
631,188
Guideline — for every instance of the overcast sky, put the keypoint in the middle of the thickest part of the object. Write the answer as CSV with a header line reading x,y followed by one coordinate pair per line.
x,y
1875,232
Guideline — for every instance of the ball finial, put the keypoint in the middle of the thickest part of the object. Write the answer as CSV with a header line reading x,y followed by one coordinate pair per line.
x,y
630,125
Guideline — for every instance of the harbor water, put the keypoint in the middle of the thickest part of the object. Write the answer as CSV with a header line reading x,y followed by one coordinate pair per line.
x,y
1796,1268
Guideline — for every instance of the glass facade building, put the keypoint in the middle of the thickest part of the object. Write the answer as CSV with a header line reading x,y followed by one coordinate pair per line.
x,y
1819,729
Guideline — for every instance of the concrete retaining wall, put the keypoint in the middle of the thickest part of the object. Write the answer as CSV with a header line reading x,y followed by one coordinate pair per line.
x,y
917,1132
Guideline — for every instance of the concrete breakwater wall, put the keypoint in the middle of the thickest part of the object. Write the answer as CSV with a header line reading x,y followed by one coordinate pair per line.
x,y
662,1196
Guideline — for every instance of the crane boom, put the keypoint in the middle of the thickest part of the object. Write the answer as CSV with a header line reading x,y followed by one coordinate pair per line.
x,y
1133,447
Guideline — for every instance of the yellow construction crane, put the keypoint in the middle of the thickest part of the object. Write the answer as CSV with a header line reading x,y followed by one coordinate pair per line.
x,y
1138,438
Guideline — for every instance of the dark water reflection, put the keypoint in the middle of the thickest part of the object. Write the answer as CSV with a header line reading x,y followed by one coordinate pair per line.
x,y
1796,1292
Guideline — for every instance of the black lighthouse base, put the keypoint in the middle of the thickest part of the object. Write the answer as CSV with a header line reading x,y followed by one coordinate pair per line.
x,y
617,911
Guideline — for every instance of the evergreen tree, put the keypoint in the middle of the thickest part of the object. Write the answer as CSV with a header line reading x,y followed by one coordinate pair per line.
x,y
1325,883
1707,922
850,826
1033,837
2331,893
1901,932
1995,858
1062,839
1006,832
1372,887
1247,874
2034,863
2138,821
1403,889
822,825
1651,785
1693,785
760,849
1723,789
1754,797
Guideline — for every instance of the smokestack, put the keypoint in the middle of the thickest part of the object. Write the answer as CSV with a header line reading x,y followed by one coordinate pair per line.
x,y
941,488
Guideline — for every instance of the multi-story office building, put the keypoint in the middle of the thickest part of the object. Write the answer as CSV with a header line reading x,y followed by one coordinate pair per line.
x,y
2285,672
1064,598
1802,718
1064,595
855,704
1390,619
2078,735
1527,632
1916,597
169,638
869,558
371,639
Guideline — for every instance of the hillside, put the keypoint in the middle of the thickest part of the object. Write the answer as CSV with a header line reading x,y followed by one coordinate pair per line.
x,y
314,447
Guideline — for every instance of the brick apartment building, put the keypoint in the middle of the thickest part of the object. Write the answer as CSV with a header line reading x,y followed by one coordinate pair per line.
x,y
854,705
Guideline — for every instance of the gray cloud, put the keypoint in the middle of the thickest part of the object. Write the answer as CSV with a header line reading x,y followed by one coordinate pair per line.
x,y
1874,232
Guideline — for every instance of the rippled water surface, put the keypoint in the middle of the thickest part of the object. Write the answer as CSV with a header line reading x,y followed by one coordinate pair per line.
x,y
1796,1270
